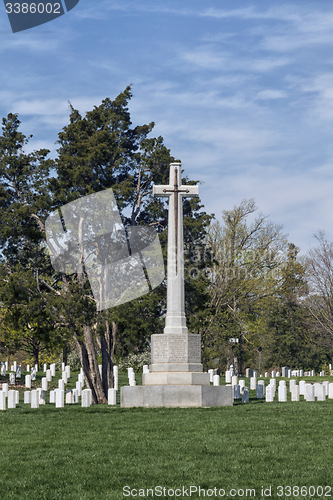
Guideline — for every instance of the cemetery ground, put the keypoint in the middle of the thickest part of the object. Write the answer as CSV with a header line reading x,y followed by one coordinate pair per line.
x,y
79,453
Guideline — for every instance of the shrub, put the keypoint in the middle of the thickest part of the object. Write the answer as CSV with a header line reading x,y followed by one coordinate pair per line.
x,y
135,361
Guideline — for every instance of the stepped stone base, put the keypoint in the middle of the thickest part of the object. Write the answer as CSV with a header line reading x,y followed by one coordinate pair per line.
x,y
176,396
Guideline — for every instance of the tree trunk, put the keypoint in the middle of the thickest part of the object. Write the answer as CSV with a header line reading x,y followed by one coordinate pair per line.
x,y
87,354
35,352
107,362
64,355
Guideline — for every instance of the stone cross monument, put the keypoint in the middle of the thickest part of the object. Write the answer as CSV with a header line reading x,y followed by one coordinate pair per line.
x,y
176,377
175,321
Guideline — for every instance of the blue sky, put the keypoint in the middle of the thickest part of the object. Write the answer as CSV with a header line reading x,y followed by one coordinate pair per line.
x,y
241,91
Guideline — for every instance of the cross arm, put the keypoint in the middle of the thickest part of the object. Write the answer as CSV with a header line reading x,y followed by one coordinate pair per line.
x,y
162,190
189,191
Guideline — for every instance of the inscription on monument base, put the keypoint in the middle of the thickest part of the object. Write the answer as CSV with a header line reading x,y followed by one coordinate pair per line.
x,y
176,348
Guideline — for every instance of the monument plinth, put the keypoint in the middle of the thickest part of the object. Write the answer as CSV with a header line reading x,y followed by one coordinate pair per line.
x,y
176,377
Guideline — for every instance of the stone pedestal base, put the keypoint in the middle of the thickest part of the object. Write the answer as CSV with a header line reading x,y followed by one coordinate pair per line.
x,y
176,396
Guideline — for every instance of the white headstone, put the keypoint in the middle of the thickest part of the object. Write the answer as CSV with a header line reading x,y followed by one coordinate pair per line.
x,y
234,380
269,394
18,371
68,371
48,375
302,385
115,383
12,379
34,399
294,392
44,384
272,383
282,393
112,397
326,384
216,380
61,384
3,369
5,389
321,396
115,370
309,392
33,373
28,381
52,369
330,390
2,400
14,366
64,377
273,374
292,382
28,368
132,381
253,383
62,367
278,374
266,374
78,386
59,395
316,387
69,397
228,377
12,399
86,398
44,367
27,397
52,396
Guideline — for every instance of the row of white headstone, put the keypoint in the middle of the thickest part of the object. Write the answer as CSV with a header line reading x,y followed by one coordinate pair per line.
x,y
318,390
311,392
16,372
57,396
285,372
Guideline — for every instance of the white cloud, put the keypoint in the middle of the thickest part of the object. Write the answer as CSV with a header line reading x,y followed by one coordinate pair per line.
x,y
271,94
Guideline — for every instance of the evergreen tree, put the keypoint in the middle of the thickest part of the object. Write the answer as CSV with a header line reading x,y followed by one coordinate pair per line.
x,y
42,308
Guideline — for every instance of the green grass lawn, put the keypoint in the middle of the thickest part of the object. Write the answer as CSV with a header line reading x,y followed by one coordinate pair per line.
x,y
93,453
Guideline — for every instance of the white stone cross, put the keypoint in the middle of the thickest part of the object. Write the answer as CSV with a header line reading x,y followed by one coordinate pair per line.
x,y
175,321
